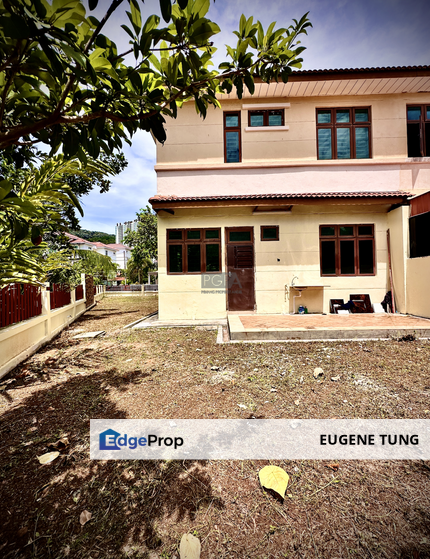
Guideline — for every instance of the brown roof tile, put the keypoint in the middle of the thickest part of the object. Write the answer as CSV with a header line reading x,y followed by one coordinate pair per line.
x,y
285,196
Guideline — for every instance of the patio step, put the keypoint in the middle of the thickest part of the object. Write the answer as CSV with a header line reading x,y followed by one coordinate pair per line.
x,y
326,327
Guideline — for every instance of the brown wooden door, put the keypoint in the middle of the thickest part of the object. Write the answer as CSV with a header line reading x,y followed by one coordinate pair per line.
x,y
240,269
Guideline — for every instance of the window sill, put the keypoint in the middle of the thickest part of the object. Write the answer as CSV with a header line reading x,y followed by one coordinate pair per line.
x,y
267,128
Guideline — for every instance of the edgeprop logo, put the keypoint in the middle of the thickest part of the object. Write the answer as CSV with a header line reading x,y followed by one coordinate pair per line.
x,y
112,440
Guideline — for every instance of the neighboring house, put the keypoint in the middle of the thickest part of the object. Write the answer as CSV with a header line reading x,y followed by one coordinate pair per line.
x,y
122,254
119,254
78,243
106,250
297,184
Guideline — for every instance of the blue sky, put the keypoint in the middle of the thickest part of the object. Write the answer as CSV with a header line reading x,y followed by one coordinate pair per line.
x,y
345,34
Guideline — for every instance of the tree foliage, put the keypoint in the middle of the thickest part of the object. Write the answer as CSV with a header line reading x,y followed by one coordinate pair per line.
x,y
32,207
61,268
82,186
64,83
94,236
143,243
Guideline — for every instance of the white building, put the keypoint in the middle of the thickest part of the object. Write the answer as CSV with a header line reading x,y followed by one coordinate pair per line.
x,y
119,254
122,229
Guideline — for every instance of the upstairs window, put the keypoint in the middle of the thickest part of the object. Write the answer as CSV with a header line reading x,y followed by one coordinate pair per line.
x,y
193,251
418,130
344,133
232,137
347,250
266,118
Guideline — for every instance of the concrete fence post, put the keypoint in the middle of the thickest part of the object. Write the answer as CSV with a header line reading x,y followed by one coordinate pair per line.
x,y
84,285
73,302
46,307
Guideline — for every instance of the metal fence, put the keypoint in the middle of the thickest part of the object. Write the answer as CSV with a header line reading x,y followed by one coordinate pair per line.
x,y
60,296
124,288
19,302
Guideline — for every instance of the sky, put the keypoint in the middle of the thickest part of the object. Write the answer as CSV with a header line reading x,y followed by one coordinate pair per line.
x,y
345,34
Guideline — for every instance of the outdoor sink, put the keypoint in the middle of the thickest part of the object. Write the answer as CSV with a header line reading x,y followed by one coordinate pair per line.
x,y
300,287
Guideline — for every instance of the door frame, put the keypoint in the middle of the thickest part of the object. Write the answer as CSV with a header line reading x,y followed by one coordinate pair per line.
x,y
227,242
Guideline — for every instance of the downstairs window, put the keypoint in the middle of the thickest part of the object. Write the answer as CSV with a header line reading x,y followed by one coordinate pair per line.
x,y
193,251
347,250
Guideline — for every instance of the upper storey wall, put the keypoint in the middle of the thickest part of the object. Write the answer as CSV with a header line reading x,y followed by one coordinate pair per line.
x,y
194,141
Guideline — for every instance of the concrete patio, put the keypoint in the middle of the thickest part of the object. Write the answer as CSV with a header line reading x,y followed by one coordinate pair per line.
x,y
326,327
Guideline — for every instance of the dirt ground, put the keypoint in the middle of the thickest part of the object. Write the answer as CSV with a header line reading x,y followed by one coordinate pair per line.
x,y
140,509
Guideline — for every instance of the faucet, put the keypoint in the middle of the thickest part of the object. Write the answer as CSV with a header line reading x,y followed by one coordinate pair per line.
x,y
292,281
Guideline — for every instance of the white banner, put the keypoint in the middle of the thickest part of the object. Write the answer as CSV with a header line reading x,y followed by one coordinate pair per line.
x,y
256,439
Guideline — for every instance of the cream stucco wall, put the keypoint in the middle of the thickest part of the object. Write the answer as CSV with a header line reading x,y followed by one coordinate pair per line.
x,y
418,278
309,178
191,162
276,262
190,139
397,221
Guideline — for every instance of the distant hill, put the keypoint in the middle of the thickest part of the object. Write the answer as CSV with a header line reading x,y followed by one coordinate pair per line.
x,y
94,236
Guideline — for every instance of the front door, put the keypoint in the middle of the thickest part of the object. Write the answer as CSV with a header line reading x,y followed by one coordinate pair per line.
x,y
240,268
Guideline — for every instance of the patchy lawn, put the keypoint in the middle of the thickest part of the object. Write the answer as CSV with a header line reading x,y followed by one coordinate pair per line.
x,y
365,509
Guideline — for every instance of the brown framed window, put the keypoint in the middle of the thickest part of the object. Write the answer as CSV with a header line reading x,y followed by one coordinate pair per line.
x,y
269,233
344,133
193,251
418,130
232,137
419,235
347,250
266,118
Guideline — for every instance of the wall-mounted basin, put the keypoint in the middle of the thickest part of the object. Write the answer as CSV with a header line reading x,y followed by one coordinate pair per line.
x,y
300,287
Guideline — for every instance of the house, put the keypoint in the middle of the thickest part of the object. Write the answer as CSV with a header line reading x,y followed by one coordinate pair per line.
x,y
105,250
119,254
78,243
122,254
286,197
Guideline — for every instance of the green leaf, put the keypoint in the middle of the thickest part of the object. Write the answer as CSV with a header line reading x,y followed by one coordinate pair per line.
x,y
92,4
200,8
72,53
231,52
128,30
166,10
14,26
201,107
202,30
5,188
145,43
151,23
136,18
239,86
182,4
242,23
20,229
249,82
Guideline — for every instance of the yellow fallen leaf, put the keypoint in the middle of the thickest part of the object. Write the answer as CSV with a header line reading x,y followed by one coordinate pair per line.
x,y
85,517
273,477
48,457
189,548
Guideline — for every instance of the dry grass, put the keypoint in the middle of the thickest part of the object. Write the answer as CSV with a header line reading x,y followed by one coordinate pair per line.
x,y
141,509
